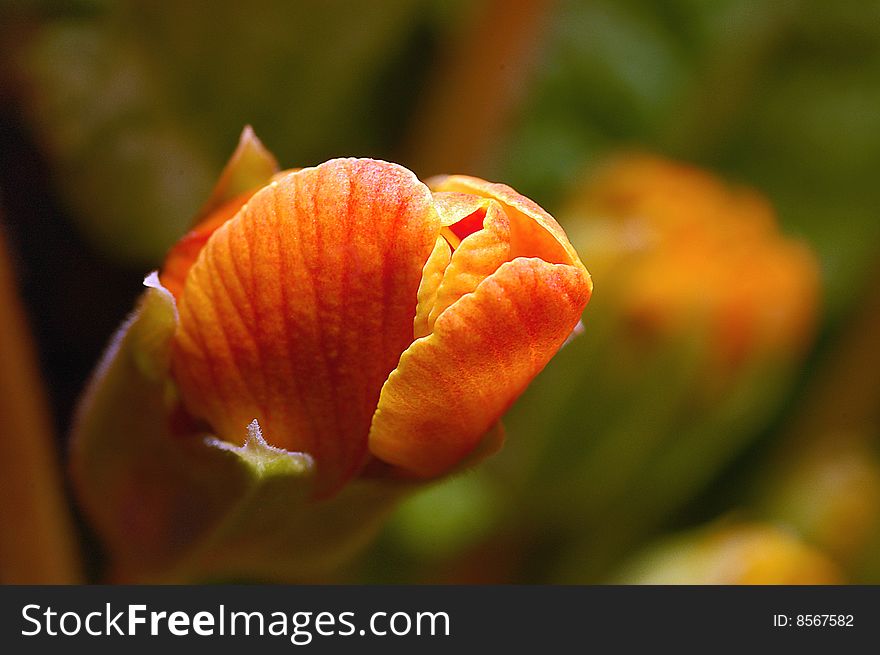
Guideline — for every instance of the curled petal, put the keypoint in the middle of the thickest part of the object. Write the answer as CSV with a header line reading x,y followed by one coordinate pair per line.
x,y
452,386
533,230
432,276
454,207
299,307
478,255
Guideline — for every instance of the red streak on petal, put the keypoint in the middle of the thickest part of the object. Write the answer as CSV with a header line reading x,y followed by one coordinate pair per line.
x,y
469,224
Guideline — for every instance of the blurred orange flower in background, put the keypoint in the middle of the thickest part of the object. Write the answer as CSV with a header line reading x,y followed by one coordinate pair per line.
x,y
688,249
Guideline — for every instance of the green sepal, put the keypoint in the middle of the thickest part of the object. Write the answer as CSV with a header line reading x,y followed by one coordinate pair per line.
x,y
265,461
174,505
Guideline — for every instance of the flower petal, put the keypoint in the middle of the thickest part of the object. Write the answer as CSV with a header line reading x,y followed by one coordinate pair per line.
x,y
298,309
185,252
432,276
250,167
452,386
453,207
478,256
532,229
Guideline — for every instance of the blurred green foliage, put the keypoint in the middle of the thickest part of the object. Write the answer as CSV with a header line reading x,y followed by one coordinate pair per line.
x,y
781,95
139,104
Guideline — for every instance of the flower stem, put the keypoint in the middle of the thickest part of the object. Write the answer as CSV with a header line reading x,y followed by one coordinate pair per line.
x,y
476,86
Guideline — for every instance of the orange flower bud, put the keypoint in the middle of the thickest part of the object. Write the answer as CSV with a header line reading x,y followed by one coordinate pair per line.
x,y
358,314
